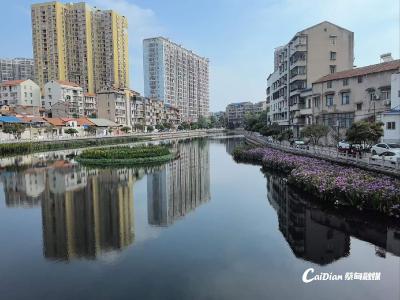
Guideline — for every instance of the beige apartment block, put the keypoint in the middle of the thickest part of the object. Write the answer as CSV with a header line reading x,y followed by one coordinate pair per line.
x,y
114,105
319,50
80,44
345,97
147,112
235,113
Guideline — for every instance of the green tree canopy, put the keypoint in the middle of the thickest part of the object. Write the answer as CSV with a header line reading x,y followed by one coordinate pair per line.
x,y
15,129
315,132
71,131
125,129
364,133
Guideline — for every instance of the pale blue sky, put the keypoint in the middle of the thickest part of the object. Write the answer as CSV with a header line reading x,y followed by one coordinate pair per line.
x,y
238,36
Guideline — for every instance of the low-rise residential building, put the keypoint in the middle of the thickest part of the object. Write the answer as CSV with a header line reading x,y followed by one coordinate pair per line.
x,y
89,105
114,105
259,107
150,112
342,98
391,118
63,97
19,92
235,113
312,53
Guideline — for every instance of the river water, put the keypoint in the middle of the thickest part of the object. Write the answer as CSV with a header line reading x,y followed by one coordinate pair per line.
x,y
200,227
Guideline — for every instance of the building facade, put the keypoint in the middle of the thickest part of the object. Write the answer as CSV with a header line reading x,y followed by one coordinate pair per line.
x,y
63,99
176,76
19,93
89,105
147,112
391,118
77,43
114,105
16,69
236,112
312,53
342,98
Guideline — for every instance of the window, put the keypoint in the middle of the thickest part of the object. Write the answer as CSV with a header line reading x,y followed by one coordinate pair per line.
x,y
332,68
359,79
329,100
372,96
333,39
385,95
333,55
345,81
359,106
391,125
329,84
316,101
345,98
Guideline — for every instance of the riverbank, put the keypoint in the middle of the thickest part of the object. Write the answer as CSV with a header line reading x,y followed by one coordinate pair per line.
x,y
330,155
330,182
22,148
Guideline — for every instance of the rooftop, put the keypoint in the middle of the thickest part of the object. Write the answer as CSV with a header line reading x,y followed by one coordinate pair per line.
x,y
371,69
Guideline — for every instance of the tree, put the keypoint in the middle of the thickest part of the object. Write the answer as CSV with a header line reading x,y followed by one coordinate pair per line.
x,y
125,129
167,125
49,129
150,128
315,132
71,131
139,127
202,122
251,121
270,130
364,133
284,135
194,126
160,127
15,129
185,126
213,122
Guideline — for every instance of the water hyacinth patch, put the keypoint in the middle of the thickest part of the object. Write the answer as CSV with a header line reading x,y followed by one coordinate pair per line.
x,y
331,182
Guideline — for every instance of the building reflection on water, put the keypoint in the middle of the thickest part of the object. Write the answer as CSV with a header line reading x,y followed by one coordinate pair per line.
x,y
85,212
180,186
323,237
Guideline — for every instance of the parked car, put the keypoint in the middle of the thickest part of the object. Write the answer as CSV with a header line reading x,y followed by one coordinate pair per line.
x,y
299,144
393,156
383,147
343,145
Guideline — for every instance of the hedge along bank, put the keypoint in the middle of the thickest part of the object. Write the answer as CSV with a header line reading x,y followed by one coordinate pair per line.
x,y
330,182
11,149
126,155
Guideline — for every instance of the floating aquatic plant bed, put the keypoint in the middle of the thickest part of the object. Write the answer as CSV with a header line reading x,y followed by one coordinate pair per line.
x,y
328,181
117,156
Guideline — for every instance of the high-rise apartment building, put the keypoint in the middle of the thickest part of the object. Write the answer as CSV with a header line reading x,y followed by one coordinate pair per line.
x,y
176,76
314,52
80,44
16,69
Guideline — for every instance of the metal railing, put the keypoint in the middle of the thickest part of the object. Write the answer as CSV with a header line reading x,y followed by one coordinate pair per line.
x,y
329,153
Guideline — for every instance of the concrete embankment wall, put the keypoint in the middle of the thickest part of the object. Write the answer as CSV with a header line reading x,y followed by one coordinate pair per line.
x,y
338,159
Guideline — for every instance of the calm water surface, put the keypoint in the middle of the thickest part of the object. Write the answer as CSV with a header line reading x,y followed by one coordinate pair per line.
x,y
201,227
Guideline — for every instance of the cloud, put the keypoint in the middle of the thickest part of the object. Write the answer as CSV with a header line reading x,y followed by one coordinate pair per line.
x,y
142,23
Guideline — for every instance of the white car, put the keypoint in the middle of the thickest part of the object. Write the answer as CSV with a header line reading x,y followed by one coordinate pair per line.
x,y
382,147
392,156
343,145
